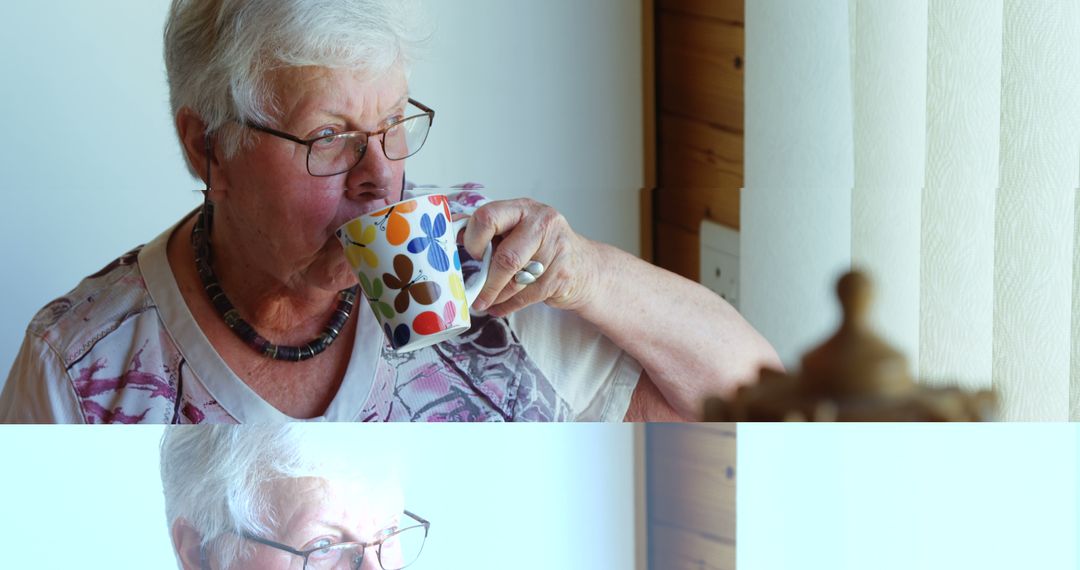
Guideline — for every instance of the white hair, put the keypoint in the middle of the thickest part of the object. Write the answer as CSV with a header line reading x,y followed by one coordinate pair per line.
x,y
219,53
215,477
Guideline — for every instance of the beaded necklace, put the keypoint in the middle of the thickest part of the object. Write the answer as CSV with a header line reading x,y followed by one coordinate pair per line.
x,y
200,241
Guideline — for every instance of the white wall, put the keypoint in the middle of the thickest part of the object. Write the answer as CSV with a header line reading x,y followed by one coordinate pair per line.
x,y
796,207
897,497
88,163
532,98
522,497
540,99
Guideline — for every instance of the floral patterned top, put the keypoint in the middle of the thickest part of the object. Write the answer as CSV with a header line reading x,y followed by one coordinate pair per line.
x,y
122,347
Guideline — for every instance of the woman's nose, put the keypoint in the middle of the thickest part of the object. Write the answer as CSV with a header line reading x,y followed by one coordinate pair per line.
x,y
373,177
371,560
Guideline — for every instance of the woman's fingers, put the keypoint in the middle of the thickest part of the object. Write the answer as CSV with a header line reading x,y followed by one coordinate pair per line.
x,y
546,257
490,220
514,251
524,295
565,284
530,231
521,238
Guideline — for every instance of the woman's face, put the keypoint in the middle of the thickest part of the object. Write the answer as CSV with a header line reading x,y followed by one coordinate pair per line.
x,y
282,219
311,512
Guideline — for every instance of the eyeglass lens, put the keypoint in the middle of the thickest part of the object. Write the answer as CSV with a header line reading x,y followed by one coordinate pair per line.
x,y
396,552
340,153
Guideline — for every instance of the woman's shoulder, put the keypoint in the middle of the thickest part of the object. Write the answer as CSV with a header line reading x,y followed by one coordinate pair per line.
x,y
96,306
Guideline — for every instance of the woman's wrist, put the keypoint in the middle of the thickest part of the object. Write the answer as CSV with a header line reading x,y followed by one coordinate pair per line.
x,y
584,292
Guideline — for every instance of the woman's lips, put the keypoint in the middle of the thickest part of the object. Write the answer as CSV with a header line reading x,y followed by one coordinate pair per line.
x,y
367,208
362,210
371,207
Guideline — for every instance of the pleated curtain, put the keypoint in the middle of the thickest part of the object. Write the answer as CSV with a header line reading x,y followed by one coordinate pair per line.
x,y
964,207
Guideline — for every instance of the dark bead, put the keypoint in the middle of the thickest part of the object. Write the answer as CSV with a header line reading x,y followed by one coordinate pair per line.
x,y
200,241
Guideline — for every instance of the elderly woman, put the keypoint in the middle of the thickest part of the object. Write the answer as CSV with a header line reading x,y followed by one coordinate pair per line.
x,y
297,117
275,498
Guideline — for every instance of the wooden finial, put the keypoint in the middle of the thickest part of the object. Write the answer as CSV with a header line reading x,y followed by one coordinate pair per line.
x,y
855,293
855,361
853,375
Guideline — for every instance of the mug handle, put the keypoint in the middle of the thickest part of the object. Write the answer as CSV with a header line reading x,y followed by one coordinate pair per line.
x,y
485,264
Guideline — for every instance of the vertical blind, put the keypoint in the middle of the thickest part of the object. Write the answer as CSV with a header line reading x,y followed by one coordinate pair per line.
x,y
964,208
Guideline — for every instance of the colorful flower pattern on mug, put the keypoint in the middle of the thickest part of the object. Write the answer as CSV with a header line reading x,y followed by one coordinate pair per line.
x,y
410,285
457,288
417,234
373,292
393,222
358,245
433,229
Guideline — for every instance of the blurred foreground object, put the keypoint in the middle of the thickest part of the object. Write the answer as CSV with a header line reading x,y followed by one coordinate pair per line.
x,y
853,376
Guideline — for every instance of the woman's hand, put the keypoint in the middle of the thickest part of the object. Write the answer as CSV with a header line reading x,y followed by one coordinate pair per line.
x,y
530,231
692,345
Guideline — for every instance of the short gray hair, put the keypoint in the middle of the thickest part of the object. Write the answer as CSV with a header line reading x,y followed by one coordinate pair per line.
x,y
214,477
218,53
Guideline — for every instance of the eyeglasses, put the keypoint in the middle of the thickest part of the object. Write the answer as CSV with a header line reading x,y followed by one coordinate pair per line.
x,y
395,549
340,152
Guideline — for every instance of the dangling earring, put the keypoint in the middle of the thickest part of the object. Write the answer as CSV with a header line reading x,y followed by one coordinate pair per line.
x,y
206,191
200,233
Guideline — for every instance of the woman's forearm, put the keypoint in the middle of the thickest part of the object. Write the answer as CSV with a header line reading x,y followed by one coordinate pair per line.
x,y
691,342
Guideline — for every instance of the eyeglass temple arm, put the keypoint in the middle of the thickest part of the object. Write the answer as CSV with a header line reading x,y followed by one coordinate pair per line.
x,y
277,545
425,109
277,133
418,518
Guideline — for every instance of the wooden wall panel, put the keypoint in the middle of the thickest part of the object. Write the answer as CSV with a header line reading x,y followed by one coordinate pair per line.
x,y
685,207
678,549
678,250
700,69
698,155
699,46
690,483
692,478
727,10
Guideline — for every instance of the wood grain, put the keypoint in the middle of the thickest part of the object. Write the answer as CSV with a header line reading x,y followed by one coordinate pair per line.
x,y
686,207
695,154
678,250
727,10
700,69
678,549
692,480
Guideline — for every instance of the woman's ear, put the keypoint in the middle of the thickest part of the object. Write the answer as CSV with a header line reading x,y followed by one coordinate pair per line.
x,y
199,150
187,542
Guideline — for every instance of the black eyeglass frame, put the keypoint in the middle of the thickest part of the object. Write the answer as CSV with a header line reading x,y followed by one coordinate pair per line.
x,y
309,143
363,545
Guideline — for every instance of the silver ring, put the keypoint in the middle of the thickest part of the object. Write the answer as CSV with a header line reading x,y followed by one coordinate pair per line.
x,y
530,273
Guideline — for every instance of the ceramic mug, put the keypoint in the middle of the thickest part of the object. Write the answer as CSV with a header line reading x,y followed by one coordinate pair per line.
x,y
406,258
